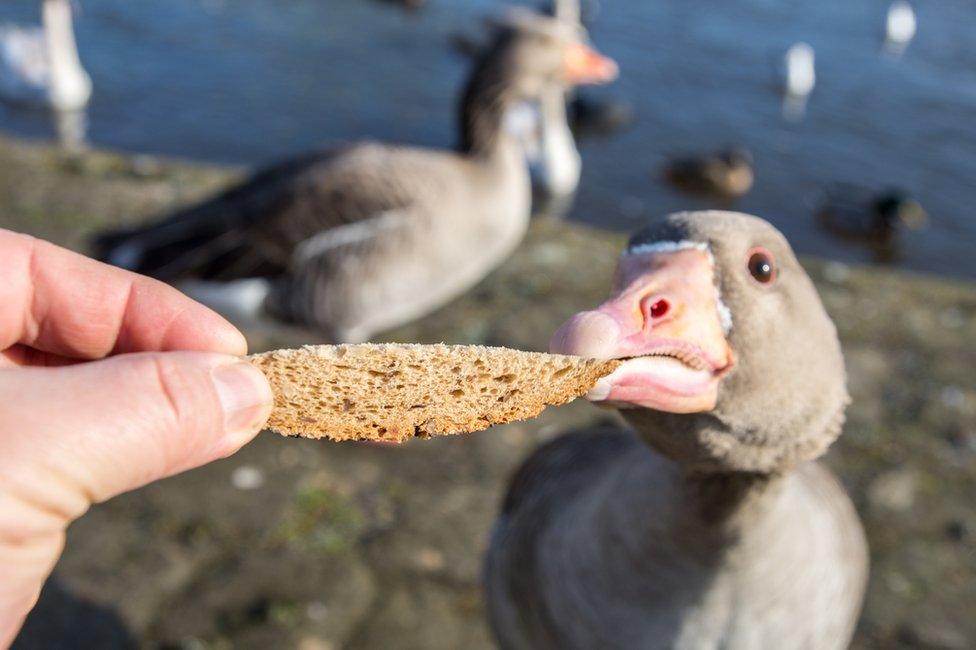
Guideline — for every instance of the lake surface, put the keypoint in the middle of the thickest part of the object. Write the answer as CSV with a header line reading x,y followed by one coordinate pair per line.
x,y
250,81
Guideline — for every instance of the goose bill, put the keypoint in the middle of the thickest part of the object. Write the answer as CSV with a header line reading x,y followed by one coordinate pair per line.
x,y
584,65
666,320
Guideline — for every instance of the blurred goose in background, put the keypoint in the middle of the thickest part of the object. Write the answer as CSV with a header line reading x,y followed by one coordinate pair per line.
x,y
726,174
860,214
709,524
364,238
549,127
799,76
900,26
585,113
40,66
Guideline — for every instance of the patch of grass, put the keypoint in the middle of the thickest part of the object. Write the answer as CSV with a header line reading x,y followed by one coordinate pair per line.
x,y
321,520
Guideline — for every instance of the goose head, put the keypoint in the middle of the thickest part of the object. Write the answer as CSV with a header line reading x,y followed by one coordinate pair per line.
x,y
731,362
530,56
538,51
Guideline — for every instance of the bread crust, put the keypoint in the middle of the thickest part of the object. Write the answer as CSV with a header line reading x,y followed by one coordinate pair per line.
x,y
394,392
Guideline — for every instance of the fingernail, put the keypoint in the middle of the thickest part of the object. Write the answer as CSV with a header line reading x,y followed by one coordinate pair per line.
x,y
245,397
600,390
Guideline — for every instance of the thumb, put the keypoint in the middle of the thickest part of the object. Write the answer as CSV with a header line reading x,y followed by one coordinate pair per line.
x,y
75,435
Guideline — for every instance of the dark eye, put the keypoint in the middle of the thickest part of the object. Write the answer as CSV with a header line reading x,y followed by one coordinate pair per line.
x,y
761,266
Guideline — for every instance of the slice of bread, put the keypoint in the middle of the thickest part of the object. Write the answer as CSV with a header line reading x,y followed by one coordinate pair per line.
x,y
393,392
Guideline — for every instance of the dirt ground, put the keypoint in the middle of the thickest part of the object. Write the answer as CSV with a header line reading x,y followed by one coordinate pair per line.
x,y
322,546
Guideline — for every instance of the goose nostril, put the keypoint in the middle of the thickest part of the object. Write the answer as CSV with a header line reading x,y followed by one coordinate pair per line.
x,y
659,308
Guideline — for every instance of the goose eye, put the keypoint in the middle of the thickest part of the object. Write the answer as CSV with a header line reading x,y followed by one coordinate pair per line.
x,y
761,266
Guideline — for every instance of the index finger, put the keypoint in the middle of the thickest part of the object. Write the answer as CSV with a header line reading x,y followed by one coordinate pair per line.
x,y
63,303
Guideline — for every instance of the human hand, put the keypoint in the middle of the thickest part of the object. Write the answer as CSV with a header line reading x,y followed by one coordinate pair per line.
x,y
108,381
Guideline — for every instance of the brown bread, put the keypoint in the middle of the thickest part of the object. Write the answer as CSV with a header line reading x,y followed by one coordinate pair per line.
x,y
393,392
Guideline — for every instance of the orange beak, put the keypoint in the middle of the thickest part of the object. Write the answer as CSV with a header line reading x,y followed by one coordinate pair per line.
x,y
665,319
584,65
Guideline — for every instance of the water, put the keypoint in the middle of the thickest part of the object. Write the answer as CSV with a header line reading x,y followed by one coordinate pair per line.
x,y
250,81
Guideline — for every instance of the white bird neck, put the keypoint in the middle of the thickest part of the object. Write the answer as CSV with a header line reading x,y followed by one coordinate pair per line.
x,y
69,82
560,158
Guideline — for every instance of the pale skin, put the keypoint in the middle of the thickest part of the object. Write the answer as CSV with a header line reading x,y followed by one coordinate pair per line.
x,y
108,381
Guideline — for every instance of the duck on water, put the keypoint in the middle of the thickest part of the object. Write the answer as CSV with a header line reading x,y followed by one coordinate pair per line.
x,y
364,238
709,524
861,214
725,174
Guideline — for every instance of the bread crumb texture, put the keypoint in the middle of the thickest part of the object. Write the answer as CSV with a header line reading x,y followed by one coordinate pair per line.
x,y
394,392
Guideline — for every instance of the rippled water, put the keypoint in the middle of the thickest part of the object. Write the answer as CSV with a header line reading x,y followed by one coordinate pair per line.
x,y
247,81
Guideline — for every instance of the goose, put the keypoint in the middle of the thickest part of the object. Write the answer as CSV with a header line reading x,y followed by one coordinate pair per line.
x,y
709,523
900,25
361,239
860,214
727,173
40,66
549,125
